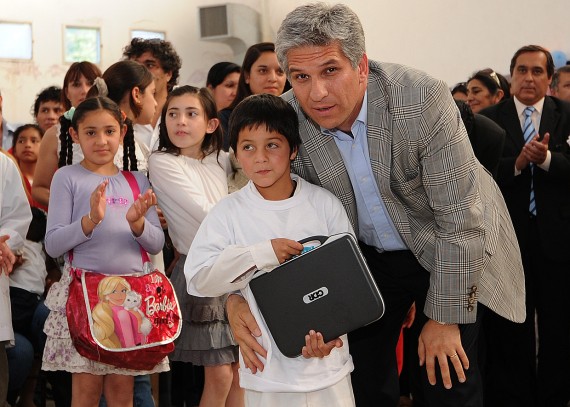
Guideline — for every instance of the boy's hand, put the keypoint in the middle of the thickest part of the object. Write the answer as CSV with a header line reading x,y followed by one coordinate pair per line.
x,y
315,346
286,248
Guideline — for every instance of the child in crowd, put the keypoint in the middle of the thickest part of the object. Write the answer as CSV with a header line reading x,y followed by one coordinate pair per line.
x,y
258,228
131,86
48,108
28,279
26,150
15,217
188,173
97,219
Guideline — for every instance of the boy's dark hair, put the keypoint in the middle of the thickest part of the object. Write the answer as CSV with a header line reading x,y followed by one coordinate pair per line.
x,y
162,50
20,129
265,110
212,142
49,94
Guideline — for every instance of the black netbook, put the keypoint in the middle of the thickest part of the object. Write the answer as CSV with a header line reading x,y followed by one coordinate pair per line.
x,y
328,288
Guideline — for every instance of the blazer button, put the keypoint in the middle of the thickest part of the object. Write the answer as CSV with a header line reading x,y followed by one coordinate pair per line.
x,y
471,301
474,288
470,308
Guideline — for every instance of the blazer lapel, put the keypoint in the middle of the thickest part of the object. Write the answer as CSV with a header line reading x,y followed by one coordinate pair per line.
x,y
329,167
512,123
549,118
379,133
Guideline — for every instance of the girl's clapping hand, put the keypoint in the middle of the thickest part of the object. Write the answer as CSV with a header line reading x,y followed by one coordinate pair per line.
x,y
98,203
139,208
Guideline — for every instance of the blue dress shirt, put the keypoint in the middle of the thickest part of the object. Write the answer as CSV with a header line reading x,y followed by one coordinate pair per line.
x,y
374,224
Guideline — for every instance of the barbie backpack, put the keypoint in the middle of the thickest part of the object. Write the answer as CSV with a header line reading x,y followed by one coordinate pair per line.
x,y
128,321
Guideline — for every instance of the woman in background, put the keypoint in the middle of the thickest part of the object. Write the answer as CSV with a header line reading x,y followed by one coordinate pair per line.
x,y
222,81
260,73
486,88
76,83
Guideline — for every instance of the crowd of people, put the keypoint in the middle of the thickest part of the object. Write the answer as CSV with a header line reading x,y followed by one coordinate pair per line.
x,y
459,207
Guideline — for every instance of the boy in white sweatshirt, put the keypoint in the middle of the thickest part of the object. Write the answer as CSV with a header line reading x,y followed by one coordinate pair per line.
x,y
258,228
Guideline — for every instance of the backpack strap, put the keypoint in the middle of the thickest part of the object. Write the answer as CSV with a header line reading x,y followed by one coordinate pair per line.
x,y
136,192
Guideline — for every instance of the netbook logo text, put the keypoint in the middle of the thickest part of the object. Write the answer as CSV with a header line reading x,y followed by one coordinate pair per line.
x,y
315,295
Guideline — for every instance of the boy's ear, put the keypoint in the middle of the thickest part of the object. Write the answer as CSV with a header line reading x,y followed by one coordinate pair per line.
x,y
212,125
294,154
74,135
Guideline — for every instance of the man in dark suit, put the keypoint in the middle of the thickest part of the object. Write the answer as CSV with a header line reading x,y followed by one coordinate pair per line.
x,y
534,177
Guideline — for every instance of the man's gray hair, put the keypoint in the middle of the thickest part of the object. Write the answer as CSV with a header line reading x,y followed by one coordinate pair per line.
x,y
556,76
321,24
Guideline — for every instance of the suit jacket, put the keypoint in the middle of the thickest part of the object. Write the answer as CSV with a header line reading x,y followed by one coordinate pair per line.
x,y
445,206
487,139
551,188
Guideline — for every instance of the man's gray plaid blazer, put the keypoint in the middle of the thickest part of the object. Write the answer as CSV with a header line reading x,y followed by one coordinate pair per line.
x,y
445,205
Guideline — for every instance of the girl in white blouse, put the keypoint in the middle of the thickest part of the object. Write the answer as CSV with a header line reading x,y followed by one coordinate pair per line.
x,y
189,176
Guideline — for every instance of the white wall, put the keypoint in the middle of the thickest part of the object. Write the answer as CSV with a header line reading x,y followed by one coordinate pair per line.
x,y
449,39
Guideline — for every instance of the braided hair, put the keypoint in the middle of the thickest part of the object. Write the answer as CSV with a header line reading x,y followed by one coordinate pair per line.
x,y
66,150
129,156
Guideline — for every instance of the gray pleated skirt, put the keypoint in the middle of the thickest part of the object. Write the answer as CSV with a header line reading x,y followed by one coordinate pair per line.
x,y
206,338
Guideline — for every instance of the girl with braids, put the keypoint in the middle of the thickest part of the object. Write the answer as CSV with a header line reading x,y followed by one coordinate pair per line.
x,y
97,219
128,84
76,83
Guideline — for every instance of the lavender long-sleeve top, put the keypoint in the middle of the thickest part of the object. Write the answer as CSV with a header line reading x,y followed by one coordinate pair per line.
x,y
111,248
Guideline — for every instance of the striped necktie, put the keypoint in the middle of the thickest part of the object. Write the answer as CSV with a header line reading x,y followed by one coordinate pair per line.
x,y
528,133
